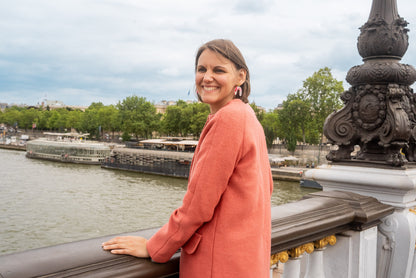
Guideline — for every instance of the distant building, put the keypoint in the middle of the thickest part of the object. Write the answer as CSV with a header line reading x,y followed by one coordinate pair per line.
x,y
3,106
163,105
52,104
56,104
262,109
279,107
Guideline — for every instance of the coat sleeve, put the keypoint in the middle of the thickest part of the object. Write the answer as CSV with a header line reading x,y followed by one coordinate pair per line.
x,y
218,155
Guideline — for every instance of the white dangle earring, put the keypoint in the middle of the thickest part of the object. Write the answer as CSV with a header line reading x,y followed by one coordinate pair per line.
x,y
238,91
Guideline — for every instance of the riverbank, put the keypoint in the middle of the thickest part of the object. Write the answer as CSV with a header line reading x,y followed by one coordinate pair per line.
x,y
287,173
13,147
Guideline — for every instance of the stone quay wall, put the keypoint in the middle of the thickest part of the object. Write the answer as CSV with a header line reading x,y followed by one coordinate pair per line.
x,y
306,154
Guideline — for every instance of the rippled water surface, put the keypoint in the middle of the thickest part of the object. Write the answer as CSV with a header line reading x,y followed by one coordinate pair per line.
x,y
45,203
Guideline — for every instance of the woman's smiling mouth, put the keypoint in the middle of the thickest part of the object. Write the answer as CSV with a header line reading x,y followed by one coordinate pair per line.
x,y
210,89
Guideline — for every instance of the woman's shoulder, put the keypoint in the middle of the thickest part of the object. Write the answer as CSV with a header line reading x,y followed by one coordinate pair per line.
x,y
234,109
231,116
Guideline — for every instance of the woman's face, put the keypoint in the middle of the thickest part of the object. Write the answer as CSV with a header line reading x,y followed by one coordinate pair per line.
x,y
216,78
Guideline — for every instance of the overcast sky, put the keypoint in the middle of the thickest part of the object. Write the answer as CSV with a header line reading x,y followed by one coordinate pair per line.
x,y
84,51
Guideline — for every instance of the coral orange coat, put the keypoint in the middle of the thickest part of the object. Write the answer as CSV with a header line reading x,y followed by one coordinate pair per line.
x,y
223,225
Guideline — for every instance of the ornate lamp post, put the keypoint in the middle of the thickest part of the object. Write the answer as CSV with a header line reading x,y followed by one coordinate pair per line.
x,y
379,116
379,112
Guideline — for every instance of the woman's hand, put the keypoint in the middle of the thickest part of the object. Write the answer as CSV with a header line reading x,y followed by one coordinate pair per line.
x,y
127,245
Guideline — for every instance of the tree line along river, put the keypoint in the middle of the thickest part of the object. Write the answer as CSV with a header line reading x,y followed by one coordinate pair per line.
x,y
45,203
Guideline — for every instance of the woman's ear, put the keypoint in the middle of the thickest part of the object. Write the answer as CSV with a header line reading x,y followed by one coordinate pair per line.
x,y
242,74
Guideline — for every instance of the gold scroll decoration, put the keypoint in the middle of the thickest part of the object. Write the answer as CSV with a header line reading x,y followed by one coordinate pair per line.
x,y
298,251
279,257
319,244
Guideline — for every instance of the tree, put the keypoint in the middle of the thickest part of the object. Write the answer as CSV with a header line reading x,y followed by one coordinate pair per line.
x,y
74,120
109,118
297,112
292,120
270,126
43,120
138,117
12,116
196,115
28,117
322,91
172,121
90,121
58,119
259,112
303,114
52,123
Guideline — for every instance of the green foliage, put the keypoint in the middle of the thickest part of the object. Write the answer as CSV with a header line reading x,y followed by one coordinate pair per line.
x,y
291,142
125,136
259,113
269,122
322,91
295,118
90,121
12,116
28,117
301,118
184,119
108,119
138,116
173,122
43,120
197,113
74,120
270,125
303,114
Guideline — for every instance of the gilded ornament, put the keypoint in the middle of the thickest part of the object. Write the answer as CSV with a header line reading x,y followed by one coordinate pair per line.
x,y
319,244
298,251
279,257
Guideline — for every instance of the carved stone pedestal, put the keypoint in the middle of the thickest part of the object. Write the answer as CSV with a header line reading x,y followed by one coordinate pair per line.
x,y
392,186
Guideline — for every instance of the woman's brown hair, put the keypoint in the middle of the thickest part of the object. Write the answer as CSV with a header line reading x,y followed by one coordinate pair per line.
x,y
228,50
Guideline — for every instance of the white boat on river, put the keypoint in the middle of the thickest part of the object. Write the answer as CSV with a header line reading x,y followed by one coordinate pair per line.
x,y
68,147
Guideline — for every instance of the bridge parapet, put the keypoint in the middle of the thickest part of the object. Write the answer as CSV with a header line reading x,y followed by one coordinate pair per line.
x,y
298,228
302,231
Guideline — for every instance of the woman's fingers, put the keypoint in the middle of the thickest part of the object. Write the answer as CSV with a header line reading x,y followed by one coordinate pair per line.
x,y
127,245
113,243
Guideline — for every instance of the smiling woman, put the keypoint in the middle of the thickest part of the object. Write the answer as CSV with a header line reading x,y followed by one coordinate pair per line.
x,y
221,72
217,79
227,204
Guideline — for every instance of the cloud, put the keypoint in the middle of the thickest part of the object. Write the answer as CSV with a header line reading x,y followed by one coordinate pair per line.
x,y
83,51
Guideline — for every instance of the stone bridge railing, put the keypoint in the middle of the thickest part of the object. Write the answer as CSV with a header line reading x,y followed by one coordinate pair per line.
x,y
301,234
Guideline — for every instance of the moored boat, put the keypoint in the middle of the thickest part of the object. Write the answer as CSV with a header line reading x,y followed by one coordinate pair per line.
x,y
160,162
72,151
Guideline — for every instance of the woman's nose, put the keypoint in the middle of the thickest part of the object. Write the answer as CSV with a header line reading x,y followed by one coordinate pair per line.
x,y
208,76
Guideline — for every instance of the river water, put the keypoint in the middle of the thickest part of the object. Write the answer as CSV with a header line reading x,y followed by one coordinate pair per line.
x,y
45,203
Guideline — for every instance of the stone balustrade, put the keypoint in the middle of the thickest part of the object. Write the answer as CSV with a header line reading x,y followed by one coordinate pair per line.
x,y
326,234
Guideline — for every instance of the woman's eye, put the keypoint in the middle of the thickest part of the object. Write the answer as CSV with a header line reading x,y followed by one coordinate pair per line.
x,y
201,70
219,70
